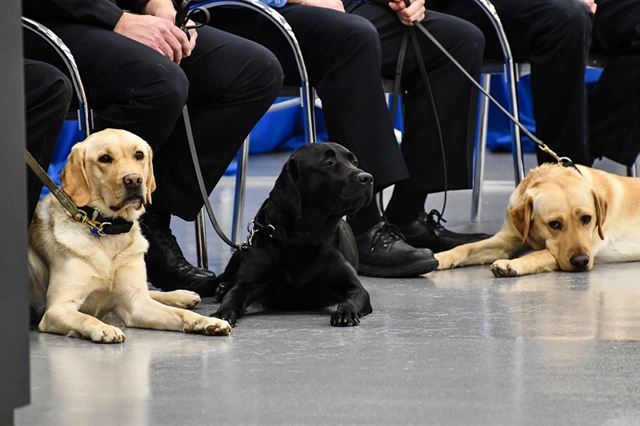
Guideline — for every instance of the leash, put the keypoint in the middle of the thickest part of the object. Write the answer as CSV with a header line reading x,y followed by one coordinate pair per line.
x,y
564,161
183,15
410,33
99,224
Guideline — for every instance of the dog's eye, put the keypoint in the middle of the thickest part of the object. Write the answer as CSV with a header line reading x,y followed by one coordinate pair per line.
x,y
355,163
106,158
139,155
585,219
554,224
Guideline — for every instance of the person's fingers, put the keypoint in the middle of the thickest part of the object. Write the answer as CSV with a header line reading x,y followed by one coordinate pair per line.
x,y
163,47
396,6
184,47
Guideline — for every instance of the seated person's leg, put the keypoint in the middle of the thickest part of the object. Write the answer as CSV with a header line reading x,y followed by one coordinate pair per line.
x,y
47,97
342,57
554,36
233,81
614,105
456,100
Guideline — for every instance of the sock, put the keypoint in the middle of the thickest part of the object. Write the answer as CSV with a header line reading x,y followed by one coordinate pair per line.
x,y
365,218
405,204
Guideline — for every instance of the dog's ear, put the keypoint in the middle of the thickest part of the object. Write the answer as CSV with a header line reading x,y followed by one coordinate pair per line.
x,y
601,212
151,179
74,176
285,192
522,215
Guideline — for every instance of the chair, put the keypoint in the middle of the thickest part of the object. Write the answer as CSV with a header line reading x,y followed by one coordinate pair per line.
x,y
84,113
306,99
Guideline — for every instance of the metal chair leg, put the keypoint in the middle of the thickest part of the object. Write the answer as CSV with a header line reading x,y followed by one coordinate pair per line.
x,y
632,170
239,194
480,151
201,240
516,144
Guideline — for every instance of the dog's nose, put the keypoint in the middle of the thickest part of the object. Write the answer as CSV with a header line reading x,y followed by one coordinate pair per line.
x,y
132,180
364,178
580,261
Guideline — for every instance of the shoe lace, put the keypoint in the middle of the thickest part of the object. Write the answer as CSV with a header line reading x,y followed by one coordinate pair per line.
x,y
436,217
388,234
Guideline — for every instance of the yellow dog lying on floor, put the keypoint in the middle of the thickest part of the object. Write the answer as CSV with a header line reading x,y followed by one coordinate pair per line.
x,y
76,276
567,219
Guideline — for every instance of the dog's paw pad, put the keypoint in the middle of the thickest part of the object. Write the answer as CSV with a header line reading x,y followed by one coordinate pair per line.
x,y
186,299
107,334
503,268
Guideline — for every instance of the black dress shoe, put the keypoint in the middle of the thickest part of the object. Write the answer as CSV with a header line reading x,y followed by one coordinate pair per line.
x,y
427,231
384,253
167,269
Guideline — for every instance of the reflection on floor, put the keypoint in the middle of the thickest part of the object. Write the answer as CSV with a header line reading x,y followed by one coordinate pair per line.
x,y
454,347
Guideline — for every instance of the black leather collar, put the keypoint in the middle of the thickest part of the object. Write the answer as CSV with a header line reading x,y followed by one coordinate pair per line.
x,y
105,225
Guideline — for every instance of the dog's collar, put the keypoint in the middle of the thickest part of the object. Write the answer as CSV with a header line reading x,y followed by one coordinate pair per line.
x,y
103,225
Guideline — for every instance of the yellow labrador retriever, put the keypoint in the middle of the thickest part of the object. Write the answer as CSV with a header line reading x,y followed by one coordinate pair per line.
x,y
567,219
76,276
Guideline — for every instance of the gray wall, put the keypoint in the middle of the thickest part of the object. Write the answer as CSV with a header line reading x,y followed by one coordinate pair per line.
x,y
14,309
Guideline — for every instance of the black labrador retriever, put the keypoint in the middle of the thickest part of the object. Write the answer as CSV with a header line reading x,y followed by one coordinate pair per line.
x,y
301,254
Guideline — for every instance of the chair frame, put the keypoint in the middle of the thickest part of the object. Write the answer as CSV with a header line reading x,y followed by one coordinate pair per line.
x,y
307,101
84,112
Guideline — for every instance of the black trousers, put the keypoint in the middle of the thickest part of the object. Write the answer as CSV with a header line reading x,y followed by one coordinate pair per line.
x,y
554,37
614,105
47,97
228,83
454,96
342,56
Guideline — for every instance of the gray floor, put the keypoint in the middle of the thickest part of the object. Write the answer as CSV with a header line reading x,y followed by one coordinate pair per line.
x,y
456,347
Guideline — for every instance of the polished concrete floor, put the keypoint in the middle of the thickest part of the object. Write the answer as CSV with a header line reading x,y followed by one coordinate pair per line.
x,y
453,348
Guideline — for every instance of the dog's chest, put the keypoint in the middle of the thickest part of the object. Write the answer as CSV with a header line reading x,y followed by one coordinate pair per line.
x,y
305,265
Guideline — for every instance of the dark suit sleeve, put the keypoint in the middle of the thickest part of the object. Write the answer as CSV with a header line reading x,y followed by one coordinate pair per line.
x,y
101,13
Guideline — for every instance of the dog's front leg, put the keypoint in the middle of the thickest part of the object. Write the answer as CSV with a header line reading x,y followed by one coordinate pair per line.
x,y
502,245
177,298
236,300
356,303
65,297
137,309
532,263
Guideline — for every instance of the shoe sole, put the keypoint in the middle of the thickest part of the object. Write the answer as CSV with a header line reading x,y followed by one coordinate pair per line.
x,y
405,271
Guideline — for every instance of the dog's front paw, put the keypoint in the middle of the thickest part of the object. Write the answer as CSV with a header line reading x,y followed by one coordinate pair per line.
x,y
225,314
211,327
221,290
345,316
504,268
107,334
185,299
446,260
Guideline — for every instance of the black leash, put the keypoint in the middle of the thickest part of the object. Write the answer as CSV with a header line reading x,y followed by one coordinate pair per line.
x,y
183,14
409,34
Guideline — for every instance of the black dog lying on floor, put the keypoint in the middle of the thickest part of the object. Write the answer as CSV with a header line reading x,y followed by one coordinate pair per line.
x,y
301,253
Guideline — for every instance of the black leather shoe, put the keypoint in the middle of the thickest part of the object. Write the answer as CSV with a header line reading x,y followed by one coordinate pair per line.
x,y
427,231
384,253
167,269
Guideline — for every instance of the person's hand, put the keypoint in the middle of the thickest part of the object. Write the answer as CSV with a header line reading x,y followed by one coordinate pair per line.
x,y
591,4
408,15
164,9
327,4
157,33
